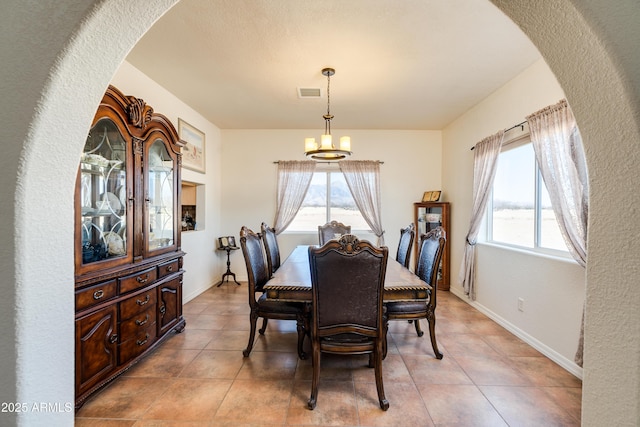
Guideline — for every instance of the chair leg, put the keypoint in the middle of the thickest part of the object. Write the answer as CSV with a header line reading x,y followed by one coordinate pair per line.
x,y
300,325
253,318
384,403
431,318
264,325
416,322
315,361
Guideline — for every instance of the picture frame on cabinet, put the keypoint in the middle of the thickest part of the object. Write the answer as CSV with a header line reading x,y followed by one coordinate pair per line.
x,y
193,152
431,196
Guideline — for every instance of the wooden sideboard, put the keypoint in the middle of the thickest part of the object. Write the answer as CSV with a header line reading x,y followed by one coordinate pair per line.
x,y
128,258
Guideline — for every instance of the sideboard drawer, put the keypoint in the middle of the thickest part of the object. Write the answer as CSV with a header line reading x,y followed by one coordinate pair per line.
x,y
137,304
136,345
95,294
132,326
138,280
168,268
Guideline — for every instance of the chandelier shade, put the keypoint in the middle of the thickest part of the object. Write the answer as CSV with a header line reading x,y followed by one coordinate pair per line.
x,y
326,150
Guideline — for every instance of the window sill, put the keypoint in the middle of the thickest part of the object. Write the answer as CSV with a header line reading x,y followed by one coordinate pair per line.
x,y
537,253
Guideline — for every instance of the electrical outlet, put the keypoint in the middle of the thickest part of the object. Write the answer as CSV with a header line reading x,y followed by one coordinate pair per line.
x,y
521,304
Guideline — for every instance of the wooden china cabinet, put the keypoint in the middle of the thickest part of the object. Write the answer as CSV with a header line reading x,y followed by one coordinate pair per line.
x,y
128,260
427,216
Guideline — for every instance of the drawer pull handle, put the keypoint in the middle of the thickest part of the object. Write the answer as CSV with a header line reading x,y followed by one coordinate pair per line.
x,y
141,280
142,322
98,294
170,268
113,338
143,302
144,341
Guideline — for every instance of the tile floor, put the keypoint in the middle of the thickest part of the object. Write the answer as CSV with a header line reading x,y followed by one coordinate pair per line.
x,y
487,377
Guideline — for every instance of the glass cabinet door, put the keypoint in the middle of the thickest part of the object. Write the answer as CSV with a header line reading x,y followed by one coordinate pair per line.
x,y
103,194
428,219
160,197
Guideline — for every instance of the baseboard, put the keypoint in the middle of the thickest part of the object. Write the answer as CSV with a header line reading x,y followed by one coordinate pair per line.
x,y
191,295
569,365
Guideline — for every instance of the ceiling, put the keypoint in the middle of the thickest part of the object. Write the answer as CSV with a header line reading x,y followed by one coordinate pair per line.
x,y
410,64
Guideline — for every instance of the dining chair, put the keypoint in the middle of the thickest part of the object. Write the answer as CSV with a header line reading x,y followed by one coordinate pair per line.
x,y
347,281
331,231
258,275
270,247
404,246
431,247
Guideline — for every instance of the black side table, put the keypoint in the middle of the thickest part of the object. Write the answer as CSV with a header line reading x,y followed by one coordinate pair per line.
x,y
228,272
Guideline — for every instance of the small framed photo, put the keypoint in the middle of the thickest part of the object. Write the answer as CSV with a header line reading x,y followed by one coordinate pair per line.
x,y
431,196
226,242
193,152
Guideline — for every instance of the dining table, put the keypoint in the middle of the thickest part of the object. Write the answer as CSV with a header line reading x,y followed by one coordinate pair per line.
x,y
292,281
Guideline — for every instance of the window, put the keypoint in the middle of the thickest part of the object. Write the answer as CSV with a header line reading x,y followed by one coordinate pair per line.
x,y
328,199
520,212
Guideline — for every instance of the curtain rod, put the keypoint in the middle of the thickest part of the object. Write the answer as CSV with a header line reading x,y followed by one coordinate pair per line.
x,y
329,162
519,125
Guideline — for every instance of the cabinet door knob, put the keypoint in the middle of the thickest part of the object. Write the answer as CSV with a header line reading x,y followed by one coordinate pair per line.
x,y
143,302
113,338
98,294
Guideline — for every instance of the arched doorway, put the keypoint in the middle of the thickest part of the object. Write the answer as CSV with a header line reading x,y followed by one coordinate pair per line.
x,y
55,97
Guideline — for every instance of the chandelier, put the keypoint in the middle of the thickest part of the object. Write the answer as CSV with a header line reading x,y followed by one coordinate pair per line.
x,y
326,150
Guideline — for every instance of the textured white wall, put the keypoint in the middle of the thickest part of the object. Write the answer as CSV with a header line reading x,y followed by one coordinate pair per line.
x,y
57,59
203,265
249,177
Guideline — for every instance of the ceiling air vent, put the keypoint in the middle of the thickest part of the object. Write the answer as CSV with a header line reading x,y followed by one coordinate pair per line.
x,y
309,92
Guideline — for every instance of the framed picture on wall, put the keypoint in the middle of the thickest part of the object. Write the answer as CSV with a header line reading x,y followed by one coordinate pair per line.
x,y
193,152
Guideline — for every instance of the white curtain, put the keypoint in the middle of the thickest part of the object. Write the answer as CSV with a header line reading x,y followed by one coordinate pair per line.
x,y
485,164
294,178
560,155
363,179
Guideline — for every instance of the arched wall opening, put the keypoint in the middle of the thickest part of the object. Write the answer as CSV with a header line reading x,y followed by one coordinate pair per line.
x,y
59,83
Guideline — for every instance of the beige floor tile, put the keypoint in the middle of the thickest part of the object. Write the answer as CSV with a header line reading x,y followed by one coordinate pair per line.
x,y
189,399
99,422
127,398
191,339
217,364
336,404
527,406
429,370
459,405
268,365
492,371
229,340
164,362
543,372
406,407
256,401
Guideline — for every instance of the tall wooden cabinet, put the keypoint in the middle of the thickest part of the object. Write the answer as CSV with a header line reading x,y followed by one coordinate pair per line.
x,y
128,259
427,216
